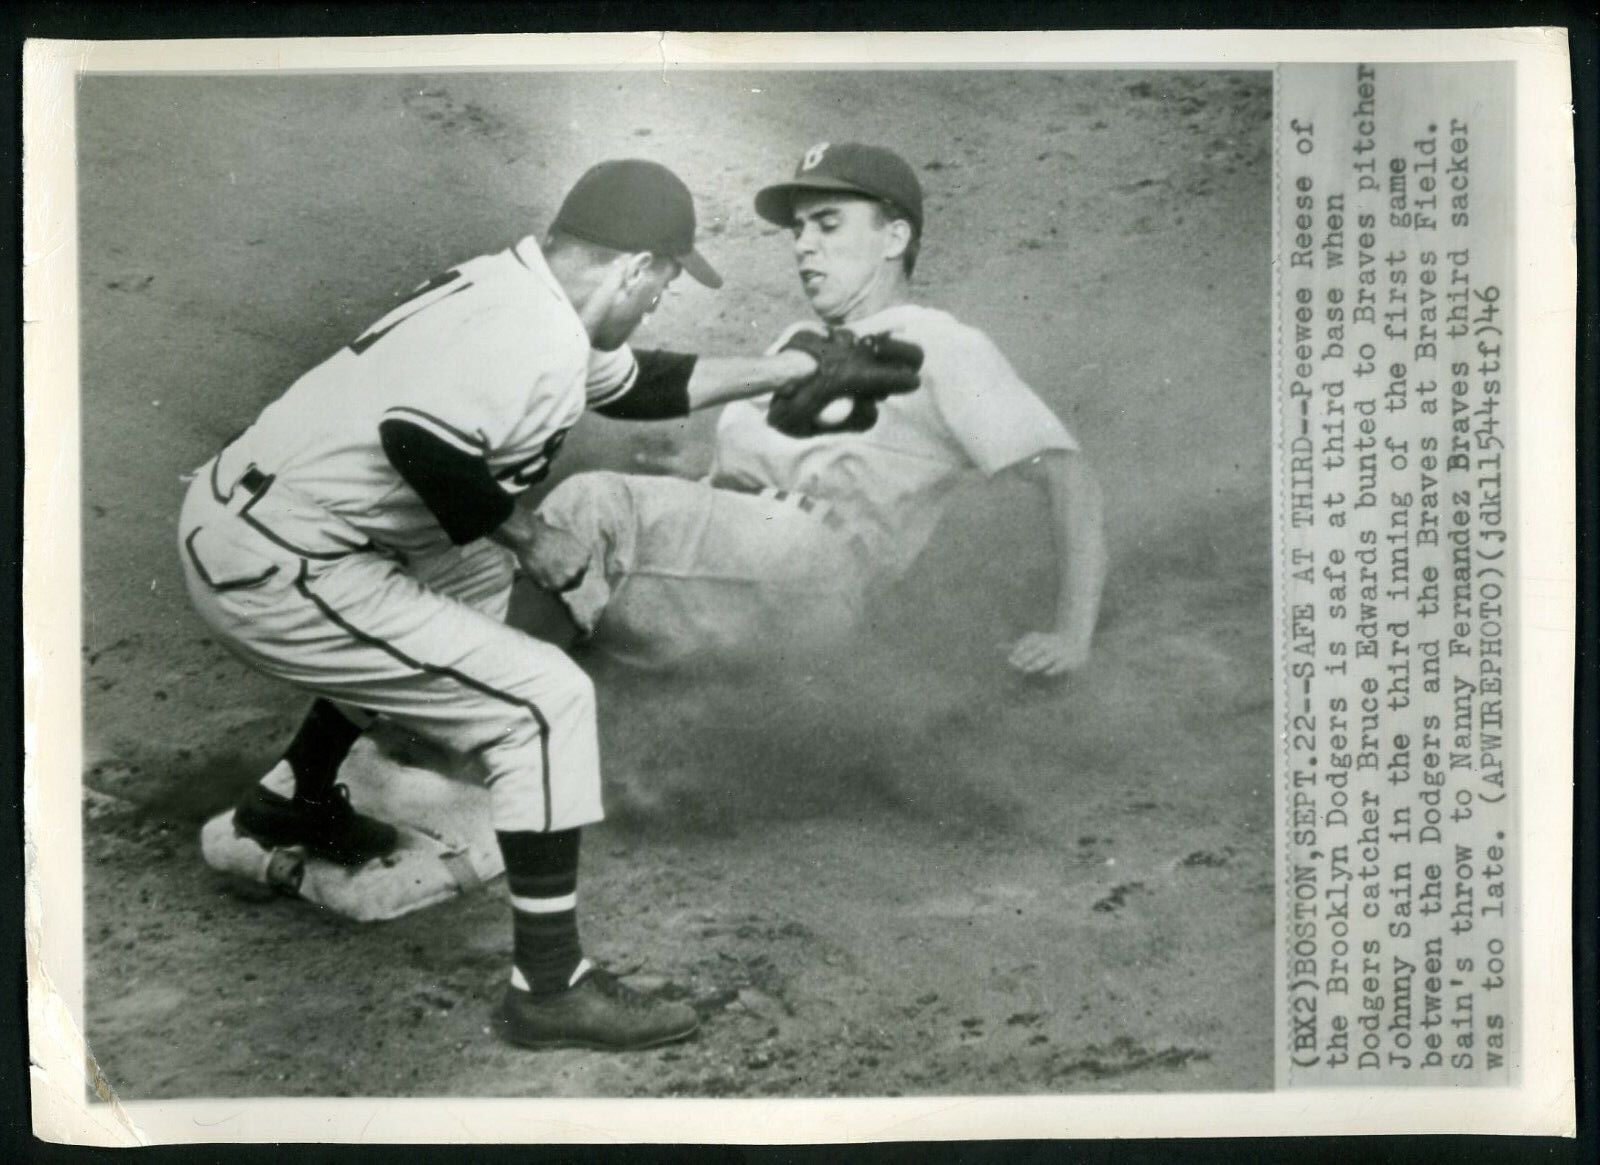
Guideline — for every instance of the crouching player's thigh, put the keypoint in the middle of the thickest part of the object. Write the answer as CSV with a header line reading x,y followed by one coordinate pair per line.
x,y
479,574
365,633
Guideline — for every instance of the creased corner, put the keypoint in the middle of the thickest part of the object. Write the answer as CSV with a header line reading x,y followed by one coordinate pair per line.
x,y
62,1108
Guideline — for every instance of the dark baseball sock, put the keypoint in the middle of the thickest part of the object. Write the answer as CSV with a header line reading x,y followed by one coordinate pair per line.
x,y
542,874
325,738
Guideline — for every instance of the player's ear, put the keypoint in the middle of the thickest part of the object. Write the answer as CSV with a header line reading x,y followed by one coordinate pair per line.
x,y
636,266
896,238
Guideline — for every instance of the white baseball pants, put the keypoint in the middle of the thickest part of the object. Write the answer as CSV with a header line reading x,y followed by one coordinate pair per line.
x,y
686,572
423,644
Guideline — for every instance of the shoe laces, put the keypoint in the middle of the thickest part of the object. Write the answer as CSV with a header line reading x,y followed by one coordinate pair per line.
x,y
617,991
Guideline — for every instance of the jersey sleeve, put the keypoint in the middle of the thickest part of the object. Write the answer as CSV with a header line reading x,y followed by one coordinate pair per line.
x,y
456,487
610,375
660,390
996,418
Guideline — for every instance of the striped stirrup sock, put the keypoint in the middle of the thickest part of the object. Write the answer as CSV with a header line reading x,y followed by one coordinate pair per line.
x,y
542,873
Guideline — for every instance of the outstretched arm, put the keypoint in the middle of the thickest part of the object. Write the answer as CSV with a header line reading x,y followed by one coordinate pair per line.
x,y
810,375
673,384
720,379
1077,525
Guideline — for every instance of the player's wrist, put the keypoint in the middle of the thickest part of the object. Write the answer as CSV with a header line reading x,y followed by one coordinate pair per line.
x,y
792,366
1075,644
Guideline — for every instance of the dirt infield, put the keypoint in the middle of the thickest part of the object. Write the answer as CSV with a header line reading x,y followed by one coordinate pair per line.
x,y
905,873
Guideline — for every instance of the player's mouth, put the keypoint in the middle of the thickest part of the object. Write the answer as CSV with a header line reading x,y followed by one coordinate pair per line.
x,y
810,278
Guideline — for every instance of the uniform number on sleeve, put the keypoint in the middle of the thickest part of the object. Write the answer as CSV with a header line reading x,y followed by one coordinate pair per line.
x,y
535,469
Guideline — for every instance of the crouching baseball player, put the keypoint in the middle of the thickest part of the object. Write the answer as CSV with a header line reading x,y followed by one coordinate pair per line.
x,y
359,541
802,515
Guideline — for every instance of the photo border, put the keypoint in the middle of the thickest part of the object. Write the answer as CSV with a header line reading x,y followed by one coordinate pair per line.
x,y
52,678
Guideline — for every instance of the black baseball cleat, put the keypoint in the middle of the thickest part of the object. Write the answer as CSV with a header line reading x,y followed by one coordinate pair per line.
x,y
597,1012
329,828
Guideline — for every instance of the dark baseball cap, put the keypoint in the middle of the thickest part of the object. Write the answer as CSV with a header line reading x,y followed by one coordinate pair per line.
x,y
634,205
845,167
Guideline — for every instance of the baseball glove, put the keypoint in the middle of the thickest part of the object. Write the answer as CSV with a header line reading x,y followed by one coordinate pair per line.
x,y
862,370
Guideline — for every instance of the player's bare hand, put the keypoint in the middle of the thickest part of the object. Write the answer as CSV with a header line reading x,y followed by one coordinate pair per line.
x,y
555,559
1048,655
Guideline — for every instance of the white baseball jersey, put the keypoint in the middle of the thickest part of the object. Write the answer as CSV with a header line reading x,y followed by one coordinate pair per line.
x,y
972,413
490,357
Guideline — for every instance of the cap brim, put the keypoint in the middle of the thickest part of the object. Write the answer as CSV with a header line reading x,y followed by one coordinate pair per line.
x,y
701,271
776,203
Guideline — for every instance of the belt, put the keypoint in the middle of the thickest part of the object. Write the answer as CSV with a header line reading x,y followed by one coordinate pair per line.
x,y
822,511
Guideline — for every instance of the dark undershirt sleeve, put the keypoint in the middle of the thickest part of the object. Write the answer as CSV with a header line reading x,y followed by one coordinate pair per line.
x,y
456,486
659,392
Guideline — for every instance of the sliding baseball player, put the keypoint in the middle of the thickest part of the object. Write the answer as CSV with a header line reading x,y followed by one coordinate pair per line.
x,y
800,519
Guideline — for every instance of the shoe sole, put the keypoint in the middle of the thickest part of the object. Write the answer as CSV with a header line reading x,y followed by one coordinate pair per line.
x,y
267,839
554,1045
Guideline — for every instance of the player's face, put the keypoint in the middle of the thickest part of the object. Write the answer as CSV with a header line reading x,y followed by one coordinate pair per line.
x,y
844,249
636,298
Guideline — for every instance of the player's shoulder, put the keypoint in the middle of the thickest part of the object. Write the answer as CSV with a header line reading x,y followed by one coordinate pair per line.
x,y
515,306
933,326
951,346
788,333
508,331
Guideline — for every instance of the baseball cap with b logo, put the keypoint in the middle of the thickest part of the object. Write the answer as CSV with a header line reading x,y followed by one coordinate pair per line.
x,y
634,205
847,168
